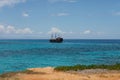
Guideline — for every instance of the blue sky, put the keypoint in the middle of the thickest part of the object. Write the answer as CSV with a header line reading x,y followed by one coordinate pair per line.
x,y
81,19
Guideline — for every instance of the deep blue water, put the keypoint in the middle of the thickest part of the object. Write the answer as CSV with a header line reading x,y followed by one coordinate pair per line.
x,y
18,55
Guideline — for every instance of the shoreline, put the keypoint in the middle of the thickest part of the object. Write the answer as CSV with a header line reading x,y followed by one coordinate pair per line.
x,y
48,73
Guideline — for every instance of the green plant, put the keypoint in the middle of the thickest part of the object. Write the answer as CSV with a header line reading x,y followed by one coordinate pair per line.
x,y
83,67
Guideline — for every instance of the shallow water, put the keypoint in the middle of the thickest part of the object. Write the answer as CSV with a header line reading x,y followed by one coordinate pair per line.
x,y
18,55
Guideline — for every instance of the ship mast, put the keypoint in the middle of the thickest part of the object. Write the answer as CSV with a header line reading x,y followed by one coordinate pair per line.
x,y
51,36
55,35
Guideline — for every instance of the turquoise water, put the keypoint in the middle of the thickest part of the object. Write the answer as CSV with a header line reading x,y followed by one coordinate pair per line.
x,y
18,55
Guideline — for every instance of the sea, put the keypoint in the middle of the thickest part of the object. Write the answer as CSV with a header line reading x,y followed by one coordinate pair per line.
x,y
17,55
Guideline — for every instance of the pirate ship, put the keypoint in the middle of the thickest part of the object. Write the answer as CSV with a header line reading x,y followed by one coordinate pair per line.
x,y
55,38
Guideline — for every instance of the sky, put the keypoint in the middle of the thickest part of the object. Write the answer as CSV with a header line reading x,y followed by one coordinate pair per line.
x,y
72,19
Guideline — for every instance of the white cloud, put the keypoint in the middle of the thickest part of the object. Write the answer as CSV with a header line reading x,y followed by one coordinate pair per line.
x,y
2,29
117,13
71,1
25,15
24,31
10,2
52,1
87,32
12,30
71,32
100,33
55,30
40,33
61,14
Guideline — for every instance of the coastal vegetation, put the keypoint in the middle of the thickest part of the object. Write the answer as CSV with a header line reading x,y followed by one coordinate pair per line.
x,y
13,75
50,73
83,67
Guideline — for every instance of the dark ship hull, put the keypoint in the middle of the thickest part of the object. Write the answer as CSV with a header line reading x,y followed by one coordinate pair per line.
x,y
57,40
